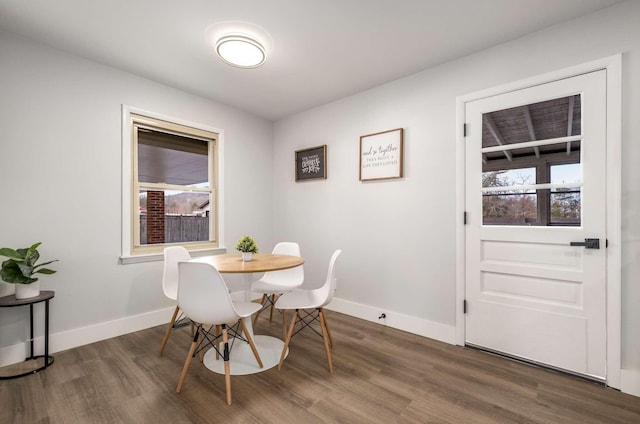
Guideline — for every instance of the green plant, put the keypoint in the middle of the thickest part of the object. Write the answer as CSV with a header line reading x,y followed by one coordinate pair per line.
x,y
247,244
22,264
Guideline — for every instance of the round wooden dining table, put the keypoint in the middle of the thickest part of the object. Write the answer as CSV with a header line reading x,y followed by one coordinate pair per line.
x,y
241,359
232,263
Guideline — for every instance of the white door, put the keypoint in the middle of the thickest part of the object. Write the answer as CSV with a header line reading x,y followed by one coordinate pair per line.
x,y
535,184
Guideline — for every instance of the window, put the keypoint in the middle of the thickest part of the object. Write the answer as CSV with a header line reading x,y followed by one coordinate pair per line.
x,y
172,185
531,170
510,206
565,201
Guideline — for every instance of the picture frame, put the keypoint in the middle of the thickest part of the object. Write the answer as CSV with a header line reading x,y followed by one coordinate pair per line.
x,y
311,163
381,155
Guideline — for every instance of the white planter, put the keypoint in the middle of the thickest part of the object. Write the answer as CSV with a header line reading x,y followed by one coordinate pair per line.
x,y
25,291
247,256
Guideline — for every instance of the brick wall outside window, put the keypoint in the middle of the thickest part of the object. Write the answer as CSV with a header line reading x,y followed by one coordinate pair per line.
x,y
155,217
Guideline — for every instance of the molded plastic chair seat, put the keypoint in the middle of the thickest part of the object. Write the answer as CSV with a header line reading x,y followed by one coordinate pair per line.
x,y
300,300
204,297
245,309
264,287
274,283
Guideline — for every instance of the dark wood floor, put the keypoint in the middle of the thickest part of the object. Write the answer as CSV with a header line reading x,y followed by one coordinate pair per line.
x,y
381,375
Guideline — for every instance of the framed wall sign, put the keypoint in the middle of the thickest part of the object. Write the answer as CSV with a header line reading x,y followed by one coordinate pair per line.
x,y
381,155
311,164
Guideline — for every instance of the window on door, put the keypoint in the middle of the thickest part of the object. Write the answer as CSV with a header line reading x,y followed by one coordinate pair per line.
x,y
531,171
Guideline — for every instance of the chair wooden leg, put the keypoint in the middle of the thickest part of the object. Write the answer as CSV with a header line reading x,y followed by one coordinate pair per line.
x,y
325,338
326,325
284,324
227,367
255,317
169,328
247,335
187,362
294,319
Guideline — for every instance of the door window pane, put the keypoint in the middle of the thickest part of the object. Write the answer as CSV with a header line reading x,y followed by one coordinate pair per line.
x,y
532,145
513,208
509,177
565,202
545,120
566,173
509,206
565,206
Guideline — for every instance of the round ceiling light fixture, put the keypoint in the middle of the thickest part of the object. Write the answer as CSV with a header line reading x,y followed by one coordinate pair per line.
x,y
240,44
241,51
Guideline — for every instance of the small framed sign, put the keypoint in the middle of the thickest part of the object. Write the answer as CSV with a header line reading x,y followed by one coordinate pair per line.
x,y
311,164
381,155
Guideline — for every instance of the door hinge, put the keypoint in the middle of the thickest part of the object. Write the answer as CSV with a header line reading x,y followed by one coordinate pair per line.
x,y
606,243
464,306
464,217
464,129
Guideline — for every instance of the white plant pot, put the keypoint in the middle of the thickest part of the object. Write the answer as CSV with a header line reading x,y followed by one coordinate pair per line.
x,y
247,256
26,291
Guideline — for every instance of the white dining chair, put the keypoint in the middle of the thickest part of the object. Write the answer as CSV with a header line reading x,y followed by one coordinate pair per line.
x,y
172,256
302,300
274,283
204,297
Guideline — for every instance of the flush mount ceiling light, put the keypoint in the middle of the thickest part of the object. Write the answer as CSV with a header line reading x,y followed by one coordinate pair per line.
x,y
241,51
240,44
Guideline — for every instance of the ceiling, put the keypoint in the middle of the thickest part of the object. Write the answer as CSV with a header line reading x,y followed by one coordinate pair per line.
x,y
321,50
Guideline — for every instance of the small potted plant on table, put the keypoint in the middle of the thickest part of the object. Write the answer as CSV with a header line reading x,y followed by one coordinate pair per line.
x,y
20,267
247,245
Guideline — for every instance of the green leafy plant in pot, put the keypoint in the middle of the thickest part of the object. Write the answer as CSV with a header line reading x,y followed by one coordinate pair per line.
x,y
247,245
20,268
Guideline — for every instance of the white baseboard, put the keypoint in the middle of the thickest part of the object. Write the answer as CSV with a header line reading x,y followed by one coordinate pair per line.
x,y
85,335
630,382
431,329
106,330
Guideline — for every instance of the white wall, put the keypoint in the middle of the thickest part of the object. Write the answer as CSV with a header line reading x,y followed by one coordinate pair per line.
x,y
60,183
398,236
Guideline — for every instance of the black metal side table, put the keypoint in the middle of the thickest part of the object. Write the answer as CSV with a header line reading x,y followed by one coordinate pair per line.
x,y
32,363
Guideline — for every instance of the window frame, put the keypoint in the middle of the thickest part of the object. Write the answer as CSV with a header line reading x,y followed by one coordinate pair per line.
x,y
133,118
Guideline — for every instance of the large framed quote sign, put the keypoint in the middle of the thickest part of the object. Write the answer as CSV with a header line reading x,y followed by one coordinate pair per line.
x,y
311,164
381,155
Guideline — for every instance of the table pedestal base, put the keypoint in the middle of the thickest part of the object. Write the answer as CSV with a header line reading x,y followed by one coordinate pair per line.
x,y
241,359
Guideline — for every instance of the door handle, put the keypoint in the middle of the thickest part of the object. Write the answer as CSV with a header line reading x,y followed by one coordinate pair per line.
x,y
588,243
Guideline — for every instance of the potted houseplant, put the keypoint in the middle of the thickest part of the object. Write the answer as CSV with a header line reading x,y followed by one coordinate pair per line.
x,y
247,245
20,267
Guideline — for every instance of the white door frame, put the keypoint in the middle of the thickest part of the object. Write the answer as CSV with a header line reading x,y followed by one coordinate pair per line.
x,y
613,66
